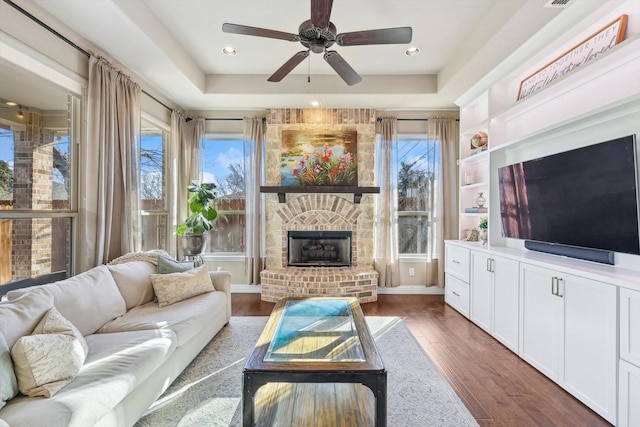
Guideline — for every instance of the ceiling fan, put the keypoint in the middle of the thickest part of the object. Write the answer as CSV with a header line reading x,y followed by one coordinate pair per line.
x,y
318,34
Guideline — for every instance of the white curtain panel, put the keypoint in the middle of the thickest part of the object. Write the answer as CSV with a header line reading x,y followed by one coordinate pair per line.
x,y
386,242
186,138
254,134
109,218
446,131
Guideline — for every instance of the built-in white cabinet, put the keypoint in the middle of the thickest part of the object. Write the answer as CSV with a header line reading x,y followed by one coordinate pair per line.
x,y
494,290
457,261
456,291
629,392
568,331
629,364
456,294
578,323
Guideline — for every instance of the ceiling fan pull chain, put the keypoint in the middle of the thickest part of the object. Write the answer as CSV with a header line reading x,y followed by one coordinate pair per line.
x,y
309,69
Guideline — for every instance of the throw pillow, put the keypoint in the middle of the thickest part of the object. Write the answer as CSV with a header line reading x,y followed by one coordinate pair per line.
x,y
8,382
167,265
20,316
134,281
174,287
50,358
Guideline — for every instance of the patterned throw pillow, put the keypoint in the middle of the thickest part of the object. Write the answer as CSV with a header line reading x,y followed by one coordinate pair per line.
x,y
49,358
8,382
174,287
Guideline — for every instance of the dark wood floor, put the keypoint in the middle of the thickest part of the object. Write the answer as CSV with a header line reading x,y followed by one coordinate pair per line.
x,y
495,384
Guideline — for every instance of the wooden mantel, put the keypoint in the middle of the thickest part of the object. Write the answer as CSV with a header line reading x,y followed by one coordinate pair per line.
x,y
351,189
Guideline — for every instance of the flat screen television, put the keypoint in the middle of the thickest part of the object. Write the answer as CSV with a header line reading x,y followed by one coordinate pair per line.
x,y
586,197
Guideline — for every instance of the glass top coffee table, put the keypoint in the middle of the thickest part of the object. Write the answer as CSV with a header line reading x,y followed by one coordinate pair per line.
x,y
315,340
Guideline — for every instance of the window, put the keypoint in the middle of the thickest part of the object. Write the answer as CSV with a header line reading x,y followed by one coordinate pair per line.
x,y
418,160
153,186
224,160
37,178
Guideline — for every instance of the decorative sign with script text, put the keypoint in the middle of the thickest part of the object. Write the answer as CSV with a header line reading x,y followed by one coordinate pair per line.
x,y
590,48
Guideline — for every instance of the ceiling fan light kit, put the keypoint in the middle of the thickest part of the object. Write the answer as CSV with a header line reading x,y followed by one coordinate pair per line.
x,y
318,34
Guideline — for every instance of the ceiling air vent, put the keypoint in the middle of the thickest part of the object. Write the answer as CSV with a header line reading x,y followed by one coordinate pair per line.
x,y
557,3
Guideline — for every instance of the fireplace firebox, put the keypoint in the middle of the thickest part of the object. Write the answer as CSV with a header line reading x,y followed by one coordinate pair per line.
x,y
319,249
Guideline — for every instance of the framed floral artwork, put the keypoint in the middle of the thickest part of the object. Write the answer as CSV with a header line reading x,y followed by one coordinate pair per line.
x,y
318,158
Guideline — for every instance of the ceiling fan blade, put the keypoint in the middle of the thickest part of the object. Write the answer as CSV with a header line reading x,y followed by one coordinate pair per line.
x,y
321,12
260,32
341,67
397,35
288,66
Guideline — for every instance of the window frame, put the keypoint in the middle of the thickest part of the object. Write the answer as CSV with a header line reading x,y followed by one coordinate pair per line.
x,y
165,131
235,255
74,111
426,215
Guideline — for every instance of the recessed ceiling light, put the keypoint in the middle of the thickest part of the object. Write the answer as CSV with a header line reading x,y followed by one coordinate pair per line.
x,y
315,103
11,103
229,51
412,51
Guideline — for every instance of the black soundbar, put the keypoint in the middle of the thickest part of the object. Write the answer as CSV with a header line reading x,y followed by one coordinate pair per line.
x,y
596,255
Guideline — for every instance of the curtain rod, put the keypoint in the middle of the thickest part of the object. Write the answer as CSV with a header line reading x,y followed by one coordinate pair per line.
x,y
70,43
222,119
379,119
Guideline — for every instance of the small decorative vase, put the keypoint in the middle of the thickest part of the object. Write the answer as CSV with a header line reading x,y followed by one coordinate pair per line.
x,y
483,236
480,200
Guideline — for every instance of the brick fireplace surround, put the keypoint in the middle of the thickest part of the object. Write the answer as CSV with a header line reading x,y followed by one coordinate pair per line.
x,y
319,212
309,211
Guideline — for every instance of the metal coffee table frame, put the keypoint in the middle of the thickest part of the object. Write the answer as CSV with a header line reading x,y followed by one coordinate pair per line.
x,y
370,372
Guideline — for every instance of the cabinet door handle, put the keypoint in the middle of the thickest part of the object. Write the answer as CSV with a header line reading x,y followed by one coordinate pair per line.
x,y
493,265
455,261
488,264
455,293
559,281
555,286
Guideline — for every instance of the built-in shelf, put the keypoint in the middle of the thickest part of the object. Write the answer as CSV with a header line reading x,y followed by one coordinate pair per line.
x,y
350,189
476,185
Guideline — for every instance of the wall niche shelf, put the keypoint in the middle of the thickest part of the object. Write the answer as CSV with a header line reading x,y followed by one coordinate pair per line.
x,y
345,189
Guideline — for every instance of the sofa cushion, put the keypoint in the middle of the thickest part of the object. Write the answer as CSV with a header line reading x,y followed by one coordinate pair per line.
x,y
88,300
116,365
134,281
167,265
175,287
185,318
50,358
8,381
21,316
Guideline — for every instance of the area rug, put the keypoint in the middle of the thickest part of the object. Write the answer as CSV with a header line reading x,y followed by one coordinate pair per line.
x,y
208,392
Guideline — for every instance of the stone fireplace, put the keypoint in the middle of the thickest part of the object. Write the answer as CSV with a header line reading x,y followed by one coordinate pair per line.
x,y
323,222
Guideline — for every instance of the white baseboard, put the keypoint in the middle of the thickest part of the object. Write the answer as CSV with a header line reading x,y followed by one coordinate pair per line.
x,y
245,289
412,290
408,290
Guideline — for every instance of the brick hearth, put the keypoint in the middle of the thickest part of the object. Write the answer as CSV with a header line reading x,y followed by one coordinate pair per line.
x,y
320,281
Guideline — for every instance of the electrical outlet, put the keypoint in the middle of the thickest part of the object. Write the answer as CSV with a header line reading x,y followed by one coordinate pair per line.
x,y
412,272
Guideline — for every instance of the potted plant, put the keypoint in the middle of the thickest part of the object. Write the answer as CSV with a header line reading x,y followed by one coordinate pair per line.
x,y
201,219
483,226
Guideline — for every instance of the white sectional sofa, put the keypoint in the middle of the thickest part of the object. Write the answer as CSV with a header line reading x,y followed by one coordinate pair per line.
x,y
136,346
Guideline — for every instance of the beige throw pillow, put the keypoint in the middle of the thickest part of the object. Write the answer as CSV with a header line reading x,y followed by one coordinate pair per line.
x,y
49,358
174,287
